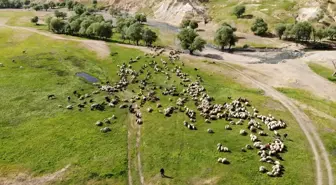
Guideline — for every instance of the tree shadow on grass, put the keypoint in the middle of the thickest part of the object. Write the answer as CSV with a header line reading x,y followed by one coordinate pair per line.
x,y
247,16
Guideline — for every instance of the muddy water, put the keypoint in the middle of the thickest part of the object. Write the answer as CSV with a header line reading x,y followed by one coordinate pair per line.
x,y
87,77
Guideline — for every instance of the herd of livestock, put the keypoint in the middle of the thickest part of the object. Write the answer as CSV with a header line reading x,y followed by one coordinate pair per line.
x,y
238,112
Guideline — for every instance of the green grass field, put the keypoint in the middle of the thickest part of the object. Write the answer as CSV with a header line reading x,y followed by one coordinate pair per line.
x,y
326,127
39,138
322,71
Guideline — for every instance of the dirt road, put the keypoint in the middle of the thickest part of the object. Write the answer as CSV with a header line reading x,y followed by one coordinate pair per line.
x,y
318,149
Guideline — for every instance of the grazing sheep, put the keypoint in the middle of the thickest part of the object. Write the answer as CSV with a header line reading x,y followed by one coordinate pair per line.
x,y
105,130
223,160
99,123
249,147
1,65
262,169
123,106
107,121
139,121
243,132
69,107
149,109
227,127
210,131
51,96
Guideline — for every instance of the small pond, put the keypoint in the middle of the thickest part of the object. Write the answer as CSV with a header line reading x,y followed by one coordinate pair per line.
x,y
87,77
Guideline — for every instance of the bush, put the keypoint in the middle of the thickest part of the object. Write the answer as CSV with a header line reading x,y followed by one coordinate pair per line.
x,y
190,40
149,36
134,32
280,30
331,32
59,14
320,34
56,25
34,20
302,31
187,23
259,27
225,37
239,10
140,17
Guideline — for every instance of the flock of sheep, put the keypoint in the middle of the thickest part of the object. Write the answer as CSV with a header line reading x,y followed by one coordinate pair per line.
x,y
237,112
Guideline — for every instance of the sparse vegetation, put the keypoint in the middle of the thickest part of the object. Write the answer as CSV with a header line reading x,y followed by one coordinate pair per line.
x,y
187,23
225,36
190,40
239,10
280,30
34,20
259,27
323,71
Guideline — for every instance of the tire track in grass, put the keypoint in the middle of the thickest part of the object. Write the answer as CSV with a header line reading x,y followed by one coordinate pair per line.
x,y
306,125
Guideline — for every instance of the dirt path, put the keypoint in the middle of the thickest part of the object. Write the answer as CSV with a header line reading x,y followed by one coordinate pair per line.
x,y
129,156
134,132
314,111
306,126
318,149
24,179
138,137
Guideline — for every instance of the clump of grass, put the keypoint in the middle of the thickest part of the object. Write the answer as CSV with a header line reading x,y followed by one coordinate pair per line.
x,y
322,71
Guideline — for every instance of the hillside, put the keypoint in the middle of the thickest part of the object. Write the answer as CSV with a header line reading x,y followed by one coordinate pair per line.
x,y
173,11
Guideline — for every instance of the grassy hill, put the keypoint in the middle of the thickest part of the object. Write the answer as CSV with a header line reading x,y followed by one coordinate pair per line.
x,y
39,138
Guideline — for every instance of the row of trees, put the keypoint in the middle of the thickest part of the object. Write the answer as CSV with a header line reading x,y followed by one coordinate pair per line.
x,y
12,3
82,24
87,24
304,31
131,28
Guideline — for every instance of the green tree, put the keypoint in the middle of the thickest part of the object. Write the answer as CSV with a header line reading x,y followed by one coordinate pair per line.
x,y
52,5
56,25
143,18
59,14
259,27
331,32
105,30
26,2
134,32
94,2
140,17
70,5
149,36
47,21
46,6
67,29
185,23
37,7
225,37
280,30
75,25
114,11
193,24
79,9
320,34
34,20
239,10
302,31
190,40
